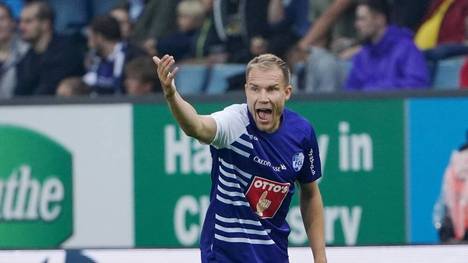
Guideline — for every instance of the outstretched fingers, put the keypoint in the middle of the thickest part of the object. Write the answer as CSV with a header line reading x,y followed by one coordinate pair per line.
x,y
166,71
172,74
165,68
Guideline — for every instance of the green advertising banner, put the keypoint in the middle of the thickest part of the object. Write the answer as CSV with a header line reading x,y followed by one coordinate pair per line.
x,y
35,190
362,152
172,179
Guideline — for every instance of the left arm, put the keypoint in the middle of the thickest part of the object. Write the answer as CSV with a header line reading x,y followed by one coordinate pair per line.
x,y
312,215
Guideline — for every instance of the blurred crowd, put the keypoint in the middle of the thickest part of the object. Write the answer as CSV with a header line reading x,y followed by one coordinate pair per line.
x,y
94,48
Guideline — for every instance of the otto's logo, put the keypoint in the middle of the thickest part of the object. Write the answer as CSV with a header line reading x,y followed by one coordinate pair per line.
x,y
298,161
35,190
265,196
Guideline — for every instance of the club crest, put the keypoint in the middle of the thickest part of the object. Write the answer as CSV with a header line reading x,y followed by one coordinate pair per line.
x,y
298,161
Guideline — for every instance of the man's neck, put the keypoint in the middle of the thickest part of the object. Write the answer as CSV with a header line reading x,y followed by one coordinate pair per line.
x,y
41,45
380,34
108,48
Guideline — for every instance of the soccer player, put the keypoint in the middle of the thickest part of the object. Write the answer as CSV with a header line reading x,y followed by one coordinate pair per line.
x,y
259,150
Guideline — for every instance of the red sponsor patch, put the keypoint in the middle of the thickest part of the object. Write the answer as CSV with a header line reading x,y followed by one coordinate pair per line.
x,y
266,196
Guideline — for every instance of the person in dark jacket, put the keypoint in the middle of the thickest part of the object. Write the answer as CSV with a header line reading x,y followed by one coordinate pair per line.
x,y
190,17
51,57
109,55
389,59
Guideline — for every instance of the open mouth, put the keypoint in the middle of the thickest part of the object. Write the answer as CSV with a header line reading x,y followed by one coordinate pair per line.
x,y
264,114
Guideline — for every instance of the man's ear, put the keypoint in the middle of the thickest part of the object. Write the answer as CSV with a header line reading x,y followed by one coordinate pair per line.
x,y
288,91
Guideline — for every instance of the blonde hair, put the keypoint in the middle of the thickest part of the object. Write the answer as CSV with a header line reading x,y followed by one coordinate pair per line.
x,y
193,8
269,61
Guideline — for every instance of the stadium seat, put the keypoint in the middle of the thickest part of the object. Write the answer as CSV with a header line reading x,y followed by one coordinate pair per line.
x,y
191,79
218,81
446,75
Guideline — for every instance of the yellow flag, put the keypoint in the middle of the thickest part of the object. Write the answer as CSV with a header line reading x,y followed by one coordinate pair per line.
x,y
428,33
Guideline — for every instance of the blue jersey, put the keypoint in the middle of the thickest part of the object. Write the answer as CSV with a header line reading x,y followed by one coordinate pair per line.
x,y
253,178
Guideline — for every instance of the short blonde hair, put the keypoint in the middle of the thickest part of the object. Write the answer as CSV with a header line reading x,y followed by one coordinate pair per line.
x,y
269,61
193,8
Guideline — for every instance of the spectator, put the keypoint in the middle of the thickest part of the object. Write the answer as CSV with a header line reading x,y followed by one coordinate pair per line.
x,y
153,19
12,49
288,21
122,16
332,25
190,16
110,53
73,15
388,59
274,26
73,86
323,72
140,78
51,57
208,46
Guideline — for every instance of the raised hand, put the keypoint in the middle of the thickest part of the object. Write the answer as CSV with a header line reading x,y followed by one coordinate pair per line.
x,y
166,73
263,203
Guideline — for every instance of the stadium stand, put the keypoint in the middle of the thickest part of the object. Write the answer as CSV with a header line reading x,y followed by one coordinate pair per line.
x,y
219,75
446,75
191,79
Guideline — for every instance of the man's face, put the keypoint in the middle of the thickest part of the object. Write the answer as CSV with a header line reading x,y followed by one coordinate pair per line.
x,y
31,27
95,42
366,23
6,25
266,93
186,22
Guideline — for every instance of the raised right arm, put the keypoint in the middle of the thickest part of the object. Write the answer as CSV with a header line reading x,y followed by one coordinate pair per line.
x,y
202,128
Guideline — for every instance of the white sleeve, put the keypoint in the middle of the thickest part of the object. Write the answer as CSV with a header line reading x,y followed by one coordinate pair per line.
x,y
230,124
